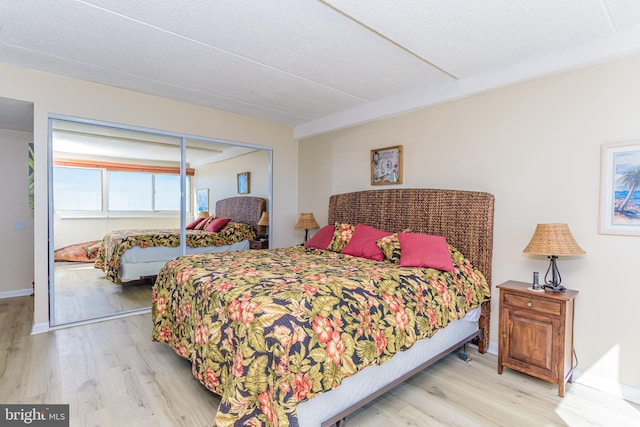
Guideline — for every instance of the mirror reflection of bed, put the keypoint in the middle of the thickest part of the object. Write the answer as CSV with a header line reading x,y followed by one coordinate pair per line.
x,y
82,216
132,254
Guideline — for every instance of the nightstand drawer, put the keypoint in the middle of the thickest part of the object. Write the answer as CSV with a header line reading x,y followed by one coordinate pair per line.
x,y
532,303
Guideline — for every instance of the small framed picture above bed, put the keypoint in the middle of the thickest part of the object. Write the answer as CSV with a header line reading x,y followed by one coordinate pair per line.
x,y
386,165
243,183
202,197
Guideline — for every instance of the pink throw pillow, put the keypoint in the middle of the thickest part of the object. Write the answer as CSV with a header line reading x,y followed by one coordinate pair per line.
x,y
363,243
193,224
322,238
203,224
217,224
426,251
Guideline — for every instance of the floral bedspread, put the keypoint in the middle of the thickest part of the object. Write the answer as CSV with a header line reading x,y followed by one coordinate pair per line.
x,y
115,243
269,329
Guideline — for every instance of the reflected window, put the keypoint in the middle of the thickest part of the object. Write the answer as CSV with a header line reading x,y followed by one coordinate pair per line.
x,y
130,191
77,189
80,190
167,192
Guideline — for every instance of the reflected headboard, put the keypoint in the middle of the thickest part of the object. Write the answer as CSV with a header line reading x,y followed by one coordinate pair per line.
x,y
245,210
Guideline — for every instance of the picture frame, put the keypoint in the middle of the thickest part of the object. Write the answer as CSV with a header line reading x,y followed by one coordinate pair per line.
x,y
620,188
31,174
202,199
386,165
244,183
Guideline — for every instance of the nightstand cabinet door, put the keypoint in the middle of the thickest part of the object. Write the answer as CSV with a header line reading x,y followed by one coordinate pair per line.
x,y
530,343
536,333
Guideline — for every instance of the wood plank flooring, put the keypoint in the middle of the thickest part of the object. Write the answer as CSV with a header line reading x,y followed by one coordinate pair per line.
x,y
83,292
112,374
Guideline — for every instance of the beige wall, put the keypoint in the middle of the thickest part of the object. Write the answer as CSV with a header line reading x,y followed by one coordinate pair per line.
x,y
536,147
221,177
53,94
16,248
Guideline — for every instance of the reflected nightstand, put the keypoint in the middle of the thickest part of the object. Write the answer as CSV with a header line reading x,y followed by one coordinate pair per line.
x,y
258,244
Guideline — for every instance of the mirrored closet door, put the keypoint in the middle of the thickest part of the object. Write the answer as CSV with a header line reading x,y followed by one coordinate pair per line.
x,y
113,184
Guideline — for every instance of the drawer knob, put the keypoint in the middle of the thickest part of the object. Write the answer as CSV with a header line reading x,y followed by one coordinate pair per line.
x,y
504,335
529,304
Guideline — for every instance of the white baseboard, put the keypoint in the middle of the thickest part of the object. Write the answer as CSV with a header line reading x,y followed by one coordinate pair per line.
x,y
597,382
36,328
39,328
609,386
16,293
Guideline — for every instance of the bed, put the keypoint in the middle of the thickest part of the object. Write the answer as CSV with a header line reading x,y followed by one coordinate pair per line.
x,y
306,336
128,255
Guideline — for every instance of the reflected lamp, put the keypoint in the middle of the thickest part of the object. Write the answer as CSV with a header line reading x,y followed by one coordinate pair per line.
x,y
264,224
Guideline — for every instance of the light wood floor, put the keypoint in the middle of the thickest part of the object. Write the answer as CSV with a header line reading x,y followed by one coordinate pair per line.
x,y
82,292
112,374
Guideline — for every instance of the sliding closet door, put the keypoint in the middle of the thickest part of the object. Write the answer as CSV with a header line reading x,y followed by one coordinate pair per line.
x,y
111,183
108,182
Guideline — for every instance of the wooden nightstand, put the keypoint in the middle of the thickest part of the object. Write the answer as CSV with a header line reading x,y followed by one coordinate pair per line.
x,y
258,244
536,332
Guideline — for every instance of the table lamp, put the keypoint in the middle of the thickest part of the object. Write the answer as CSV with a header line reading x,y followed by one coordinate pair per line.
x,y
553,240
308,222
264,223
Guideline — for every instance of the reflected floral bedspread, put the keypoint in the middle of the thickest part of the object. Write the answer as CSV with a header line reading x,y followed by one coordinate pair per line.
x,y
269,329
115,243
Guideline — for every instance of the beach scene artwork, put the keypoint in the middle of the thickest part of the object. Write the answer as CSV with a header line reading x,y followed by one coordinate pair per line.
x,y
626,182
620,188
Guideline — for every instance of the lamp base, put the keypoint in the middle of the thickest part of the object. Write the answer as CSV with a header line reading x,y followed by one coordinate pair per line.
x,y
553,284
554,287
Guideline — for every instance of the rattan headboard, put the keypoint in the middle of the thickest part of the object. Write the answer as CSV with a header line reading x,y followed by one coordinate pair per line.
x,y
465,218
246,210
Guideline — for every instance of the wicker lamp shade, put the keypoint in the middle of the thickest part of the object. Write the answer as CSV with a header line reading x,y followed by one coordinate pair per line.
x,y
307,221
264,219
553,239
262,226
204,214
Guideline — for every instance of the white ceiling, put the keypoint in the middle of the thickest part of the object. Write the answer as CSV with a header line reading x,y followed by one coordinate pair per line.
x,y
315,65
81,141
16,115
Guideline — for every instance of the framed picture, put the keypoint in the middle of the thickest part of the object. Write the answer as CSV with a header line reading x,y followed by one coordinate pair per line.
x,y
31,175
202,198
620,188
386,165
243,183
